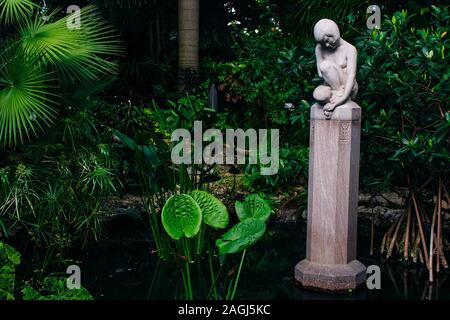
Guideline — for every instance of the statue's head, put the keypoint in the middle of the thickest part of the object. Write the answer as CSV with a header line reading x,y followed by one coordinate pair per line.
x,y
326,32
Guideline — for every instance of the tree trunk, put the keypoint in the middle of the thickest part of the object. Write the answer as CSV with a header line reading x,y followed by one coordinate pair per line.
x,y
188,41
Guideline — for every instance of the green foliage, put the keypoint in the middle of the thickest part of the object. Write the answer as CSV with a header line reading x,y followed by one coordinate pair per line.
x,y
51,288
269,75
14,11
403,77
9,259
253,214
253,207
308,12
214,212
241,236
292,166
23,98
180,216
43,61
55,288
266,74
68,206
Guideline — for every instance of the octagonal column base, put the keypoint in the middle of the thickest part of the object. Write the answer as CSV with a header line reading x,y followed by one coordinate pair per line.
x,y
336,278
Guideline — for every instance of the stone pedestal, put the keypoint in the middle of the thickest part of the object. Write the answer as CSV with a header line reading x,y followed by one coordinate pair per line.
x,y
330,262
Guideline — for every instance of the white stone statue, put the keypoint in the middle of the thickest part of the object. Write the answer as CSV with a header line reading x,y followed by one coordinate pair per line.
x,y
336,65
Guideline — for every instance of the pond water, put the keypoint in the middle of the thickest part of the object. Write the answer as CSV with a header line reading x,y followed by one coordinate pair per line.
x,y
123,267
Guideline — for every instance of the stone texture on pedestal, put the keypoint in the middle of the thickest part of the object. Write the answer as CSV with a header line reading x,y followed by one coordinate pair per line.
x,y
330,262
330,277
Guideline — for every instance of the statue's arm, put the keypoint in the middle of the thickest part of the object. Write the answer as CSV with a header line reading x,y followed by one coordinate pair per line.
x,y
319,60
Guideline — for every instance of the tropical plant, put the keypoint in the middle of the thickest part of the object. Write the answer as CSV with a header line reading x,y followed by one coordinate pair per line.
x,y
43,60
405,130
52,287
182,219
55,288
159,178
253,214
9,259
293,165
66,207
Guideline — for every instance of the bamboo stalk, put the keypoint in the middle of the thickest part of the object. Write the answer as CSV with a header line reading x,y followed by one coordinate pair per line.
x,y
419,223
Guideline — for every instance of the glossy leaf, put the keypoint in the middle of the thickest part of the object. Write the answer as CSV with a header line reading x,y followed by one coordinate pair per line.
x,y
214,212
253,207
241,236
181,215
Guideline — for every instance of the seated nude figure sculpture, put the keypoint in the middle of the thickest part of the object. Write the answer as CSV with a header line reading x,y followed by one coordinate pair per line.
x,y
336,65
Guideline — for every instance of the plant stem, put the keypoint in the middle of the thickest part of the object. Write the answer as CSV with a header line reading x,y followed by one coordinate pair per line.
x,y
408,230
238,274
213,281
431,245
213,286
439,226
421,233
186,253
156,276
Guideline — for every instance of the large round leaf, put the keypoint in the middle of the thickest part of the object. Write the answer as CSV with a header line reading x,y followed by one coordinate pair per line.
x,y
214,212
181,215
253,207
241,236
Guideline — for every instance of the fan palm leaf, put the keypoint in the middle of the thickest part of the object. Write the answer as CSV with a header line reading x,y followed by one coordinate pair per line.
x,y
78,54
26,99
13,11
73,56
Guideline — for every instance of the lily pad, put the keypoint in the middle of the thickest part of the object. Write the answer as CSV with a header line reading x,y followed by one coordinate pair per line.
x,y
214,212
253,207
181,215
241,236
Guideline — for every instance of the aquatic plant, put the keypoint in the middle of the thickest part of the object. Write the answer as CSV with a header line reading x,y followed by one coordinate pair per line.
x,y
182,219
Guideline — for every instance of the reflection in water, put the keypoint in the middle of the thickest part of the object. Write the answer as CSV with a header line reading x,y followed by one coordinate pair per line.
x,y
124,268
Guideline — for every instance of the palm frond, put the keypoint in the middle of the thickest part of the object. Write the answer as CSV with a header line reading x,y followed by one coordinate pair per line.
x,y
26,99
13,11
78,54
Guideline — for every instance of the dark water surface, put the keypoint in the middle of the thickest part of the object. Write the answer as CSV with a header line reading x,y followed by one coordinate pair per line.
x,y
123,267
